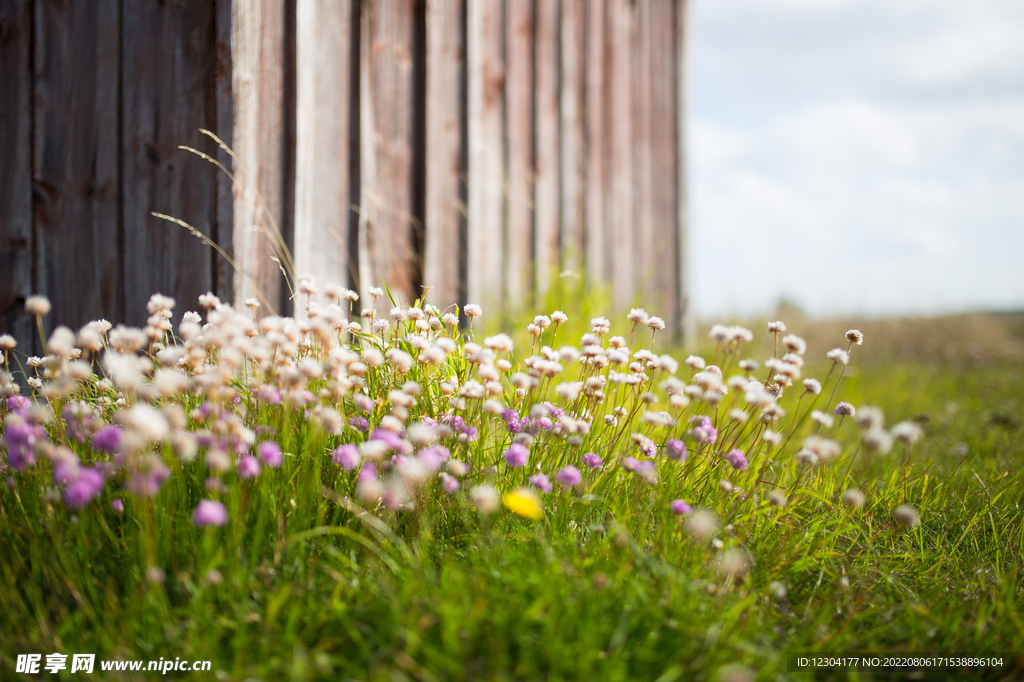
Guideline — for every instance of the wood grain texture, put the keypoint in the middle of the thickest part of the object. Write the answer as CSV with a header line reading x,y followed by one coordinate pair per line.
x,y
387,182
645,248
547,197
597,247
445,173
486,97
257,43
75,160
619,176
687,324
324,144
16,170
573,134
169,93
665,255
519,99
223,276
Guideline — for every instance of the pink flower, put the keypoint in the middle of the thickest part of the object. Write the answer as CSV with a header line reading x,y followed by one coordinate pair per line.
x,y
210,513
569,476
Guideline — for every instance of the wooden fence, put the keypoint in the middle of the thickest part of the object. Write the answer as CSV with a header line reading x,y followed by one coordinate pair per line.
x,y
476,146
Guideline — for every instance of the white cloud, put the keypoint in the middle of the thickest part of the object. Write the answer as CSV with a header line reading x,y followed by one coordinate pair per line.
x,y
859,157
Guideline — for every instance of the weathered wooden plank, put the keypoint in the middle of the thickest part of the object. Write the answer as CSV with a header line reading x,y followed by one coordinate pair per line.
x,y
486,95
257,42
75,158
388,138
645,248
168,94
598,268
519,98
223,276
687,324
446,63
619,163
547,194
16,170
661,44
573,104
324,142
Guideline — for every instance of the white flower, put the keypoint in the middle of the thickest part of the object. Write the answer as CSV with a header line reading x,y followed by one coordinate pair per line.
x,y
907,516
776,327
638,315
812,386
856,336
853,498
473,310
37,306
795,343
558,317
656,323
838,355
696,362
600,325
907,432
376,292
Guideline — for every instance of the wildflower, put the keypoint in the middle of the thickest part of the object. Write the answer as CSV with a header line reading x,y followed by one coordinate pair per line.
x,y
705,432
637,316
680,507
449,483
845,410
795,343
776,327
270,453
656,323
702,524
118,506
737,459
855,336
37,306
822,418
569,476
853,498
812,386
485,497
248,467
878,439
733,563
85,486
7,342
907,432
516,456
108,439
907,516
696,362
675,450
523,502
472,310
558,317
838,355
777,498
592,461
210,513
541,482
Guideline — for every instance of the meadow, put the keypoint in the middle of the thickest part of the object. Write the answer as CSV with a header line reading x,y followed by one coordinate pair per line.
x,y
394,492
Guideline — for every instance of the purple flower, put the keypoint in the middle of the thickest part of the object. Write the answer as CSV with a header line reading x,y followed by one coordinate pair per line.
x,y
346,456
517,455
675,449
363,402
20,438
248,467
85,487
592,461
108,439
449,483
845,410
569,476
117,505
359,424
541,482
393,440
66,469
680,507
270,453
555,411
648,448
210,513
511,418
147,479
630,463
269,393
434,456
737,459
368,472
77,424
705,432
19,404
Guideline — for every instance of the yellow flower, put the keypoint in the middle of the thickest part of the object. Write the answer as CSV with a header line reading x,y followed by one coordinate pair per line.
x,y
524,502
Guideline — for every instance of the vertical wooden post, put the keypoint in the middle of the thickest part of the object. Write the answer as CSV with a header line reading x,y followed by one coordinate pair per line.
x,y
258,85
598,269
687,324
573,105
446,61
324,141
75,166
387,36
642,227
486,90
519,97
619,169
663,257
546,192
16,239
168,93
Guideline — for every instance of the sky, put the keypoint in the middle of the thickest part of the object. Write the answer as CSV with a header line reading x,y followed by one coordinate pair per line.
x,y
856,157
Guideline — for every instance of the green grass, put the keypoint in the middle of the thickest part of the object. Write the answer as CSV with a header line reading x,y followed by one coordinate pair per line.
x,y
606,586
